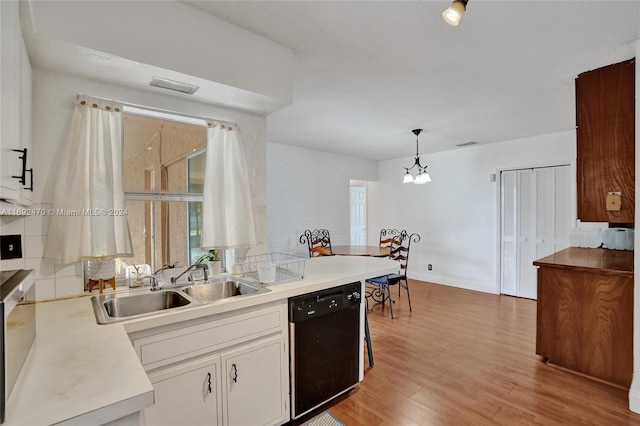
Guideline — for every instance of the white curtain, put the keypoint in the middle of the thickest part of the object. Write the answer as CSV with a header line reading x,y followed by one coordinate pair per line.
x,y
227,209
89,221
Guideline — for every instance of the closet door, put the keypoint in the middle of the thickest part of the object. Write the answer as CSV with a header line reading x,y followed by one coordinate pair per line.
x,y
526,225
508,192
562,208
535,222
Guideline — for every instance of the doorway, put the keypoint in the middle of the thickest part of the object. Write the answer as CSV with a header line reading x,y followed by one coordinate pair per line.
x,y
358,213
535,220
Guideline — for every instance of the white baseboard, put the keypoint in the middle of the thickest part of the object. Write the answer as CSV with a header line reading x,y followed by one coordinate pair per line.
x,y
634,395
467,285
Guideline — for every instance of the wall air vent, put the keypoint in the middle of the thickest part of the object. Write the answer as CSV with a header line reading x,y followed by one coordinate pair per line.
x,y
178,86
467,143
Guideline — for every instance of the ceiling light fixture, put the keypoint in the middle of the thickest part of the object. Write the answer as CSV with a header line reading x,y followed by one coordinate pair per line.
x,y
423,177
454,12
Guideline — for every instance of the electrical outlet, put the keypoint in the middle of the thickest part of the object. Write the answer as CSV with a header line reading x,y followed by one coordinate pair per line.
x,y
10,247
429,267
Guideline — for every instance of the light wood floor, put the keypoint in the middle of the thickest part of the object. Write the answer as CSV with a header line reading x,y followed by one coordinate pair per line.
x,y
468,358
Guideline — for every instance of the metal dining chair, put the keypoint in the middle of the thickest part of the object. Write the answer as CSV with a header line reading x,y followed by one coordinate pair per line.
x,y
318,241
381,292
387,236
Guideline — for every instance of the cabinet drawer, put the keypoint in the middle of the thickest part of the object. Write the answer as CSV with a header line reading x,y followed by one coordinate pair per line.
x,y
183,343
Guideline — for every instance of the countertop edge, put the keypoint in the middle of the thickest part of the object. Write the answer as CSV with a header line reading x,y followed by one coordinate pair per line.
x,y
577,268
591,260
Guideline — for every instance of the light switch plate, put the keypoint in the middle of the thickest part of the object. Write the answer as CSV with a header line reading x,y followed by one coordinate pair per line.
x,y
614,201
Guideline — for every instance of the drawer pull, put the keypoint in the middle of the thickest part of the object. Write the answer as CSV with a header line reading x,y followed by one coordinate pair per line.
x,y
235,373
209,382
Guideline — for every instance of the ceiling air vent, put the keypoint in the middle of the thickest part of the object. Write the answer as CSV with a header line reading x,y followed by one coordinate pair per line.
x,y
467,143
178,86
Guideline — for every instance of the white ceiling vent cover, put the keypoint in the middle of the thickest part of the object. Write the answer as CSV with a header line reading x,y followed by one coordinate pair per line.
x,y
178,86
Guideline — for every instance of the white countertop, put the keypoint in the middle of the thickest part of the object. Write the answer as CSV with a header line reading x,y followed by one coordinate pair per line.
x,y
83,373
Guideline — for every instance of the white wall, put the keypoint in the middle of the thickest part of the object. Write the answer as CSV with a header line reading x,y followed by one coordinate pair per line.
x,y
457,214
308,189
173,36
54,95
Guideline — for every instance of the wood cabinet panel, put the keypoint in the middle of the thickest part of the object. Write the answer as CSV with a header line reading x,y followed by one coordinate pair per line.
x,y
605,119
585,322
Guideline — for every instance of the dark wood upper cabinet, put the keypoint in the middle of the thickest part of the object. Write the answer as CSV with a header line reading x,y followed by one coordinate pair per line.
x,y
605,118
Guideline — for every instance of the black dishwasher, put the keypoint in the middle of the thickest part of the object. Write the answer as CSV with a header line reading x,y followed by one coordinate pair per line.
x,y
324,330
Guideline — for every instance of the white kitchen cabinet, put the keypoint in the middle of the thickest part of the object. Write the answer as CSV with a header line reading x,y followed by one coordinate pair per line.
x,y
256,373
26,194
246,353
15,107
188,394
9,94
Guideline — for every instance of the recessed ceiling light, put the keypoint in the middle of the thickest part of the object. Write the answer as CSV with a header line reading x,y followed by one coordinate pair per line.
x,y
178,86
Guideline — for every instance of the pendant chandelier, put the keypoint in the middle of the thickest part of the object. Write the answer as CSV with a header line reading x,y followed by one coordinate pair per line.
x,y
423,176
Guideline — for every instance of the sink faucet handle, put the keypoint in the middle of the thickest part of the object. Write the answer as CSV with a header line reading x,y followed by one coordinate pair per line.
x,y
202,266
153,281
205,270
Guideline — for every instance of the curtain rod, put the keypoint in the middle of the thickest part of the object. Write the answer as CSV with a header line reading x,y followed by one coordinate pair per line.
x,y
206,121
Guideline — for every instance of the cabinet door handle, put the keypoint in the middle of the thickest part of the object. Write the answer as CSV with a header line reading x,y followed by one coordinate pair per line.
x,y
30,171
209,382
235,373
23,157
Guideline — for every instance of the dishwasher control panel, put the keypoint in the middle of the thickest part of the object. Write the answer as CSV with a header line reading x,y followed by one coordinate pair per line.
x,y
323,302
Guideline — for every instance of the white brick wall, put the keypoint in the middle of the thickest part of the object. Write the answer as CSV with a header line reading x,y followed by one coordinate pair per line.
x,y
308,189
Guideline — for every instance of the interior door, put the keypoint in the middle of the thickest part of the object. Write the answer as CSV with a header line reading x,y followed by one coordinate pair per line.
x,y
508,192
526,285
358,208
535,222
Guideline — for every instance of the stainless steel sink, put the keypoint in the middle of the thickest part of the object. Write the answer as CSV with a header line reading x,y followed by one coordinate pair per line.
x,y
212,291
111,308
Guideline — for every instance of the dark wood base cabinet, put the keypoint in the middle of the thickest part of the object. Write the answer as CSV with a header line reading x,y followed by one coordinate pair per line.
x,y
585,321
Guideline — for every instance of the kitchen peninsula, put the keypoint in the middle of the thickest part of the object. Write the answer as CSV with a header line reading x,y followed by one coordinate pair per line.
x,y
585,312
80,372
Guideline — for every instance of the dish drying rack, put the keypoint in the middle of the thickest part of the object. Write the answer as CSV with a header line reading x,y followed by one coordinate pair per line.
x,y
288,267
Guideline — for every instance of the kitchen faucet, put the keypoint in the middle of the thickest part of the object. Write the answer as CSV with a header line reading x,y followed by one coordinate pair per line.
x,y
190,268
166,266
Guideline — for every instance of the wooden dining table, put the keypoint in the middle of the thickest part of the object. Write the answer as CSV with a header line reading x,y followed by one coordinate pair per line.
x,y
372,251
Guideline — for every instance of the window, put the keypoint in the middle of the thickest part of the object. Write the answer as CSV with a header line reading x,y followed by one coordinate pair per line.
x,y
163,177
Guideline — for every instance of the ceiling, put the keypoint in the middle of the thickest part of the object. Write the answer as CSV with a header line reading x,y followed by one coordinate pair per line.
x,y
368,72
